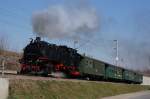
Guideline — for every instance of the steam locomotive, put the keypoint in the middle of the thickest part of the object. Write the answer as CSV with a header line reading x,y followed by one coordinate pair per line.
x,y
43,58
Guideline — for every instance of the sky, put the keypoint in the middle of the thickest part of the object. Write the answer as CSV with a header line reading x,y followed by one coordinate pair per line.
x,y
127,21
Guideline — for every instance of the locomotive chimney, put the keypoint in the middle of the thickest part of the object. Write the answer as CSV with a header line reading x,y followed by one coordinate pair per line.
x,y
38,39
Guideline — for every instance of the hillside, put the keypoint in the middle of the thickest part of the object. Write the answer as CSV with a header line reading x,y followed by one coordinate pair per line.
x,y
11,59
57,89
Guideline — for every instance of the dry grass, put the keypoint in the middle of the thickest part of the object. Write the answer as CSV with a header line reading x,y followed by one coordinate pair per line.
x,y
10,53
31,89
11,59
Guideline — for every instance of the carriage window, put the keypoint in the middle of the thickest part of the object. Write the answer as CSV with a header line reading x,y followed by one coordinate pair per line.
x,y
90,62
87,62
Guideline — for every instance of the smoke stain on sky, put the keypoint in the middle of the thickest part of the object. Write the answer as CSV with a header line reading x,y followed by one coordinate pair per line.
x,y
59,21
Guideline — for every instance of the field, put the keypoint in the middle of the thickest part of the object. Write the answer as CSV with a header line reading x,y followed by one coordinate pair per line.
x,y
61,89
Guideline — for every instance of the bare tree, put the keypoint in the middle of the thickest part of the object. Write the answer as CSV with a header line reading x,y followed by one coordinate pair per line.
x,y
2,45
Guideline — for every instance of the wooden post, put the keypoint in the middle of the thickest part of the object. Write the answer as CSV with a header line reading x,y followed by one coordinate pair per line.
x,y
3,67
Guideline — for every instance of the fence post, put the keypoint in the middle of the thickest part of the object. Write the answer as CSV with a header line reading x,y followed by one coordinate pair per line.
x,y
3,67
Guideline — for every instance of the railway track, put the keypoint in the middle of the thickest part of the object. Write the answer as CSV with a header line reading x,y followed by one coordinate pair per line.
x,y
12,75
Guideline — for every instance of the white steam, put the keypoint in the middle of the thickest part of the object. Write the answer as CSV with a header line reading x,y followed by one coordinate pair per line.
x,y
59,21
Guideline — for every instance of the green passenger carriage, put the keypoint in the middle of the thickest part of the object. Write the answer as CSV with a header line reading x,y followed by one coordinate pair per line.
x,y
95,69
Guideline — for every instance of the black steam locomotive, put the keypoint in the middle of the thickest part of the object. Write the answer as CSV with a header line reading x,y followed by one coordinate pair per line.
x,y
43,58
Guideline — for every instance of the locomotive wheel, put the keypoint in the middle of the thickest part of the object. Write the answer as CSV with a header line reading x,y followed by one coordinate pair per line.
x,y
45,73
87,78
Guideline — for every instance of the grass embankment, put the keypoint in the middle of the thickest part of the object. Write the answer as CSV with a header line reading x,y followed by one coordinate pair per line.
x,y
31,89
